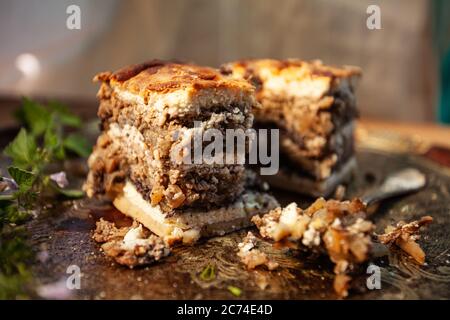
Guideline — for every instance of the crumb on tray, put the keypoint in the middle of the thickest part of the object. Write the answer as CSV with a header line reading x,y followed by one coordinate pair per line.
x,y
404,235
338,229
253,257
130,246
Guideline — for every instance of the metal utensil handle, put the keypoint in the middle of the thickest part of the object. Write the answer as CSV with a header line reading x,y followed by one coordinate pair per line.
x,y
399,183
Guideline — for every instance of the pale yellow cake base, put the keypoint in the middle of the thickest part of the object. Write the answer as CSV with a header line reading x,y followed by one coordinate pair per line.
x,y
188,226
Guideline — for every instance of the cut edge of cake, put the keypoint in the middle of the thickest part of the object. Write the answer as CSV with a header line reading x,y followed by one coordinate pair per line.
x,y
190,225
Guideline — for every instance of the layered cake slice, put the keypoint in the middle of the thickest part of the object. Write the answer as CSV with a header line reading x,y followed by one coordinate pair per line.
x,y
314,107
150,114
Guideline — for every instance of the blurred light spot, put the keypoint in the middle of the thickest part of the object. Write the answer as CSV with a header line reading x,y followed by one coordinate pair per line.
x,y
28,64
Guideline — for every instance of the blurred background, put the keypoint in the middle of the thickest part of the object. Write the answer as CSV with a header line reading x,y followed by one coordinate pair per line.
x,y
406,63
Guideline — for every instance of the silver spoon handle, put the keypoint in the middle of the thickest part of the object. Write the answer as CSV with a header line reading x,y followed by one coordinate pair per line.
x,y
399,183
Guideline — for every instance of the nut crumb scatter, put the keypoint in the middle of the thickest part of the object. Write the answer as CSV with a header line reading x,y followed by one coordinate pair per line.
x,y
251,256
130,246
404,235
338,229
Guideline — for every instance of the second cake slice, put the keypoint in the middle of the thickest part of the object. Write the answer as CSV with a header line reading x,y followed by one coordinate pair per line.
x,y
314,107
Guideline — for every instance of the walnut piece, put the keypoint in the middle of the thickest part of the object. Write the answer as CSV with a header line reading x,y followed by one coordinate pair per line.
x,y
405,235
337,229
175,196
106,231
252,257
130,246
340,230
156,195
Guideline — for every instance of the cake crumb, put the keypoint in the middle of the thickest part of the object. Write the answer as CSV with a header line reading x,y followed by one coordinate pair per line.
x,y
253,257
130,246
404,235
341,284
339,193
337,229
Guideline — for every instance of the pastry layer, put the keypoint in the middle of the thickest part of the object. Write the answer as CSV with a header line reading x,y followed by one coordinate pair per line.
x,y
190,225
174,90
150,114
340,147
122,153
292,78
314,107
307,100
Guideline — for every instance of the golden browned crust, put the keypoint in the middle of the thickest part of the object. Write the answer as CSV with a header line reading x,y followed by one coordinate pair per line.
x,y
291,69
159,76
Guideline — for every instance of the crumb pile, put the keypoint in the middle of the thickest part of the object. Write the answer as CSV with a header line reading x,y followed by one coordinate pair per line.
x,y
339,230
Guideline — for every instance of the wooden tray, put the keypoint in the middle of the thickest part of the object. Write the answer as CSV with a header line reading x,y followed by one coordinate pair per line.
x,y
65,234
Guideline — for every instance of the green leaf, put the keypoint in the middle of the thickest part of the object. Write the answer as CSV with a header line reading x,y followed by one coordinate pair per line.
x,y
68,193
23,178
22,150
65,116
15,256
235,291
37,118
209,273
53,144
16,215
78,144
12,287
14,251
71,193
51,139
19,114
6,198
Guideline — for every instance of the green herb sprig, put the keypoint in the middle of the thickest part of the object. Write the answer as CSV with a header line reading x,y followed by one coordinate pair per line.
x,y
48,135
208,273
235,291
